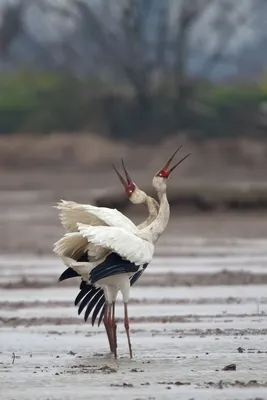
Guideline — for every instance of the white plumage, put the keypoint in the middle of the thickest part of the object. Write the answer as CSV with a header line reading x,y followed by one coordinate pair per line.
x,y
71,213
81,267
73,245
123,239
129,245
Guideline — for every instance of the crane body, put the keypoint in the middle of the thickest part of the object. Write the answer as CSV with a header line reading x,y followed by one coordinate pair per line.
x,y
131,250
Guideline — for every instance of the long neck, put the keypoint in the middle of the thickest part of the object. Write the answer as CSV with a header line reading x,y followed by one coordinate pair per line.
x,y
157,227
164,210
153,208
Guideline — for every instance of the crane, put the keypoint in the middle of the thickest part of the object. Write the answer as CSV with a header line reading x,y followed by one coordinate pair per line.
x,y
77,253
132,250
71,213
72,245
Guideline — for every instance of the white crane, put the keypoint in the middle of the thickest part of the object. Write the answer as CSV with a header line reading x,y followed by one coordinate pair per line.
x,y
73,245
81,256
132,250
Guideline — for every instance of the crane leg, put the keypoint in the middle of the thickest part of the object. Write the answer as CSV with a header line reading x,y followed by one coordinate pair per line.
x,y
110,319
107,326
114,330
126,325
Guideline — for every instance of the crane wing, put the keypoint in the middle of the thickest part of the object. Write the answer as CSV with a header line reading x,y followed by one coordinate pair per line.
x,y
74,245
82,268
121,241
71,213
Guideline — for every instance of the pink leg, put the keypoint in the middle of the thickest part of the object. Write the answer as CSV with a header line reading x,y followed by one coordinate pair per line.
x,y
114,329
108,327
126,325
111,328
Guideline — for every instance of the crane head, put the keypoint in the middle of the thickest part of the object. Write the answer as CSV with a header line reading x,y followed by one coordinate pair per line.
x,y
128,184
166,171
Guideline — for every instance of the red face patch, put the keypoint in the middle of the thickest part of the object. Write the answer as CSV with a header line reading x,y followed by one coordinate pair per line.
x,y
163,174
129,189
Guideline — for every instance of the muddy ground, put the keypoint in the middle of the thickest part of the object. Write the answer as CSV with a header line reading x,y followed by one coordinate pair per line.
x,y
200,306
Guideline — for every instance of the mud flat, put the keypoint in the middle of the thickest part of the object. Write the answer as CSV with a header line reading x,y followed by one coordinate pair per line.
x,y
186,327
60,363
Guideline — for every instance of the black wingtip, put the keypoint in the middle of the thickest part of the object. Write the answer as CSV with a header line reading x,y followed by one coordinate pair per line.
x,y
87,298
92,303
67,274
98,307
101,316
84,290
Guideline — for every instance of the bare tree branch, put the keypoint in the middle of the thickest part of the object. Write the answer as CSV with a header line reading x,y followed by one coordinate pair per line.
x,y
11,27
227,34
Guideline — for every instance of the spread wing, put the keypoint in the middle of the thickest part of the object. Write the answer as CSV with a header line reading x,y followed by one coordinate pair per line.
x,y
121,241
74,245
82,268
71,213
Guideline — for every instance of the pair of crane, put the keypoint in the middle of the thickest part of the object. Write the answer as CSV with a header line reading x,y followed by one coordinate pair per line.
x,y
108,251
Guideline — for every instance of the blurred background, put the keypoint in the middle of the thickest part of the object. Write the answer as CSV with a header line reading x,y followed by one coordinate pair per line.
x,y
86,82
82,84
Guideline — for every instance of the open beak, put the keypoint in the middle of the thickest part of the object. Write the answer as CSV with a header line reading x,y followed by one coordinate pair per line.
x,y
128,180
166,167
120,176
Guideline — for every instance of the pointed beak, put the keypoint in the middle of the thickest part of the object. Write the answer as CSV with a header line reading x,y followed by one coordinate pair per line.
x,y
179,162
166,171
124,183
171,158
129,181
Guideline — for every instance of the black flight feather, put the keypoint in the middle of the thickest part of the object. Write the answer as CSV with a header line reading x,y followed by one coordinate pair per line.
x,y
112,265
137,275
92,304
87,299
101,303
83,292
84,257
101,314
67,274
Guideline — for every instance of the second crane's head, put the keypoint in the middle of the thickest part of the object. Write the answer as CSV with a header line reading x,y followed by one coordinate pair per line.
x,y
136,195
160,179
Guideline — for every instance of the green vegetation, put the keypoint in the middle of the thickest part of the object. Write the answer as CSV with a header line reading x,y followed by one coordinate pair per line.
x,y
46,102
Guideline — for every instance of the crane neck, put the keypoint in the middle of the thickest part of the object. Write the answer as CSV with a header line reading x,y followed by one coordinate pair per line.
x,y
164,210
153,208
159,224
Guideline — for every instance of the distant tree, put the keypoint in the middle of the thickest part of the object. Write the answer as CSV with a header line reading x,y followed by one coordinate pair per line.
x,y
11,27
